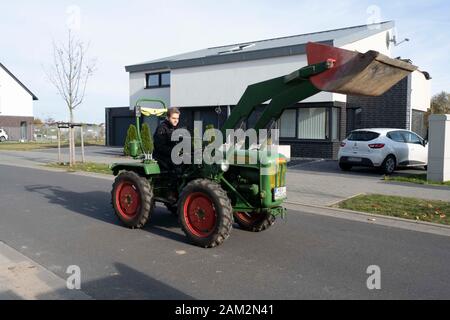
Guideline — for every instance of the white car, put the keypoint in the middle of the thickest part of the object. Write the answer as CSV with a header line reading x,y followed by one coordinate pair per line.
x,y
386,149
3,135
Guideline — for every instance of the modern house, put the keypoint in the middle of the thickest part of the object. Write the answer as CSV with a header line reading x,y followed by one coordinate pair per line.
x,y
16,106
207,84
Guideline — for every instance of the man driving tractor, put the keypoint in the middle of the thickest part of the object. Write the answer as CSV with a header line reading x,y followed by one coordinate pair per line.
x,y
164,146
163,139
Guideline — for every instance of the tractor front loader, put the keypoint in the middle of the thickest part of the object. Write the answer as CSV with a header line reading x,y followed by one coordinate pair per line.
x,y
212,197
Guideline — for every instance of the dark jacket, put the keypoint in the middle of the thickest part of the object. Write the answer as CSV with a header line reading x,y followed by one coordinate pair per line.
x,y
163,142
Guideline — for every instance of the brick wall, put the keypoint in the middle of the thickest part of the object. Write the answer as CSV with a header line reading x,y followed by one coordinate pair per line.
x,y
313,149
13,129
387,111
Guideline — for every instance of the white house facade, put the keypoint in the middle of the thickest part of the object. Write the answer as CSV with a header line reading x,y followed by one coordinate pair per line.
x,y
207,84
16,106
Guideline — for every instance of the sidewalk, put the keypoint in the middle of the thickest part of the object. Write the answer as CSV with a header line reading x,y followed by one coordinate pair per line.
x,y
23,279
42,157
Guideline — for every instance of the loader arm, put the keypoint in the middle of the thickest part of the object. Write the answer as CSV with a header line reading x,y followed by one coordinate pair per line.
x,y
330,69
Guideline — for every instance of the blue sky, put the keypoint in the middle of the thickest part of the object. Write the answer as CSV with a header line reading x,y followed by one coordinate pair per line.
x,y
127,32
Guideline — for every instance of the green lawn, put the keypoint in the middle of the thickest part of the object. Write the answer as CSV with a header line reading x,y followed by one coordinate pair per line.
x,y
86,167
416,178
29,146
407,208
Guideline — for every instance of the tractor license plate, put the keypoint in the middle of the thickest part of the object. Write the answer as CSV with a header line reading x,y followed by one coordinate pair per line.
x,y
280,193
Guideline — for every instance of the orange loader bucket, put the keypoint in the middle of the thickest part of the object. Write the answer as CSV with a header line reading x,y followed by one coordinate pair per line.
x,y
354,73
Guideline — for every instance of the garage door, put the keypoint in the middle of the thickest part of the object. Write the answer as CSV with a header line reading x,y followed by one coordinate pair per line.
x,y
120,129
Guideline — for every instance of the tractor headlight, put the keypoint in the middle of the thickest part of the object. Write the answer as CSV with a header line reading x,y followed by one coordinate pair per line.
x,y
225,166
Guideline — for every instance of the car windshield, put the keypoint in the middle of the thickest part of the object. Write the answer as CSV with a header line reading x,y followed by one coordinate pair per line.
x,y
363,136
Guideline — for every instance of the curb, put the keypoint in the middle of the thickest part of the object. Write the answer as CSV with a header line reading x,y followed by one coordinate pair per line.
x,y
23,278
430,224
364,217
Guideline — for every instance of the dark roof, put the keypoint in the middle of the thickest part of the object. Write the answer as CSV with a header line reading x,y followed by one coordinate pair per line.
x,y
263,49
18,81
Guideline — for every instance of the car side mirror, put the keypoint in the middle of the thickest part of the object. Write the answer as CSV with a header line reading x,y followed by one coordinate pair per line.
x,y
425,143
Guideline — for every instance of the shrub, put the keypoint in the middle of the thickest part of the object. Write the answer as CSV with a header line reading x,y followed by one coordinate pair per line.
x,y
147,139
131,135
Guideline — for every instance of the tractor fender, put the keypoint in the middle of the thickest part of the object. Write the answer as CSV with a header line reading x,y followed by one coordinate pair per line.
x,y
143,169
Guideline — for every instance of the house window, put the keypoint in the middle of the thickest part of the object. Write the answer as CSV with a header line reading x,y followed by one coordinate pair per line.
x,y
312,123
288,124
158,80
165,79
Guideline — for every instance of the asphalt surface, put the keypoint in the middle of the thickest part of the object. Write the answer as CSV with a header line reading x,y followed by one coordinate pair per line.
x,y
58,220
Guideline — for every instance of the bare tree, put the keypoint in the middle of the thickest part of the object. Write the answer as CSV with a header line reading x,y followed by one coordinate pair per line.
x,y
69,73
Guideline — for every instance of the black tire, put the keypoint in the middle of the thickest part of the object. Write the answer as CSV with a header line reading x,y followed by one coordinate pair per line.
x,y
345,166
138,218
389,165
254,222
219,207
2,139
173,209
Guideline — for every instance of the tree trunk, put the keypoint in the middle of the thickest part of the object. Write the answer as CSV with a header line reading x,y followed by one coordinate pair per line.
x,y
71,142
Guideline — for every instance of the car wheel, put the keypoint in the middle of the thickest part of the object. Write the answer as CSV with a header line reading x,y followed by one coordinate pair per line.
x,y
345,166
389,165
2,139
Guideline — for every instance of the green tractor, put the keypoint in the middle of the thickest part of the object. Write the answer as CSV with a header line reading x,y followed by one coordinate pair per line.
x,y
212,197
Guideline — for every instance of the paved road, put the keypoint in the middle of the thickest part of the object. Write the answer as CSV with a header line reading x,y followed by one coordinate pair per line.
x,y
58,220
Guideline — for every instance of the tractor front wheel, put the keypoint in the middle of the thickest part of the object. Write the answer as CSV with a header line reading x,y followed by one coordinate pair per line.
x,y
205,213
132,199
254,222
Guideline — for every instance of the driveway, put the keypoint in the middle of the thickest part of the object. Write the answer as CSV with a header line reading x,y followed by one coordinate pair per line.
x,y
321,182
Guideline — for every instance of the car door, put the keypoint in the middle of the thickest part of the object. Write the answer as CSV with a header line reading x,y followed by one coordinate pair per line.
x,y
398,144
417,150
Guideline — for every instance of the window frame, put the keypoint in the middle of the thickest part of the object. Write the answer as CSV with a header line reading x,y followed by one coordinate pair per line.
x,y
295,137
160,75
328,125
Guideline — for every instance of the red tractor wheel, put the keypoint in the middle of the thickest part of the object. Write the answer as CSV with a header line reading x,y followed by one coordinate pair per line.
x,y
254,222
205,213
132,199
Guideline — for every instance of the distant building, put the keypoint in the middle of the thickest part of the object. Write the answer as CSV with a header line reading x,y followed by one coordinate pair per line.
x,y
207,84
16,106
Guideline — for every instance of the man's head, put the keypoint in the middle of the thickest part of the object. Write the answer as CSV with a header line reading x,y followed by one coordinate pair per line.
x,y
173,116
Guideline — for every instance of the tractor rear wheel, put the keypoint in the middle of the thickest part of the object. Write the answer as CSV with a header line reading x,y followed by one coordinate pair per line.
x,y
254,222
205,213
132,199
